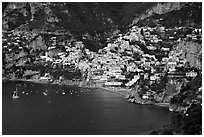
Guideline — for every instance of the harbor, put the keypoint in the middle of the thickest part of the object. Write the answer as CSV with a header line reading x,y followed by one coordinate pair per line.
x,y
74,110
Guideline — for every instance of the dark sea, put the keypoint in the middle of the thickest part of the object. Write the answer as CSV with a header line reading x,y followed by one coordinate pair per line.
x,y
69,110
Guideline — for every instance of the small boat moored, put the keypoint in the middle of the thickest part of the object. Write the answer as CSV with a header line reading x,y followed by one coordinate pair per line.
x,y
15,94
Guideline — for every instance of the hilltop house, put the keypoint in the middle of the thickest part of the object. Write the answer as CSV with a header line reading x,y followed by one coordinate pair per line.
x,y
191,74
165,49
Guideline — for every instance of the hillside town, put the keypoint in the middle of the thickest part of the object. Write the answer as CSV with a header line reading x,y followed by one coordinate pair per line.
x,y
152,62
85,66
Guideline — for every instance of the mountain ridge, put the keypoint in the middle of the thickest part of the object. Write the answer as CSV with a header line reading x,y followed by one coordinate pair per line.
x,y
91,22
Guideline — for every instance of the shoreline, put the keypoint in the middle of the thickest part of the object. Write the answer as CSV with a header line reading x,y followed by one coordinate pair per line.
x,y
123,92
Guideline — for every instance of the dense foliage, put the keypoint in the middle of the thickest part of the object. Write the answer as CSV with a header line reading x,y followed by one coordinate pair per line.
x,y
189,122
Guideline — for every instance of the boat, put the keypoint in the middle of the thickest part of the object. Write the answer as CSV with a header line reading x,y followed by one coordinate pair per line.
x,y
171,108
15,94
44,93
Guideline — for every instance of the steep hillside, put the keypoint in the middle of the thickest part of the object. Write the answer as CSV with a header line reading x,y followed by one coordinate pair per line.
x,y
187,14
70,16
81,19
91,22
75,14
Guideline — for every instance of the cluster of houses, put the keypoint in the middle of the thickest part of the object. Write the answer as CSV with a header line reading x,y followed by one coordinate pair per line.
x,y
121,63
114,65
11,42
